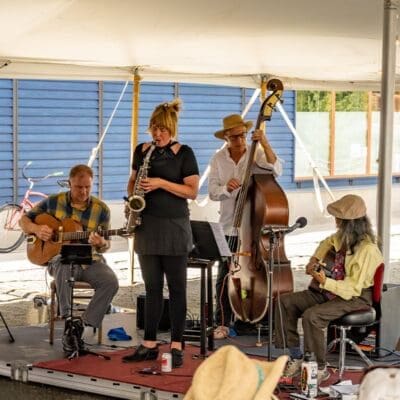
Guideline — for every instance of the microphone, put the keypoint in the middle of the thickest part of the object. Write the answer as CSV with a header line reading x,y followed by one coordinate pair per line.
x,y
300,223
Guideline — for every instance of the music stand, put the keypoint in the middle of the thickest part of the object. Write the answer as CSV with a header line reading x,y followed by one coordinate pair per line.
x,y
75,254
209,246
6,326
209,241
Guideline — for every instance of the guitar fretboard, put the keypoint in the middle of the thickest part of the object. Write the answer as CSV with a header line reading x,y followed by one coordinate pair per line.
x,y
80,235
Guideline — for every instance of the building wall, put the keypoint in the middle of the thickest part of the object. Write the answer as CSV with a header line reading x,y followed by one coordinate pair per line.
x,y
57,124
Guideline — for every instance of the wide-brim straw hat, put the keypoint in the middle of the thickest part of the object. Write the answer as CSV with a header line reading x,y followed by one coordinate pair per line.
x,y
350,206
232,121
229,374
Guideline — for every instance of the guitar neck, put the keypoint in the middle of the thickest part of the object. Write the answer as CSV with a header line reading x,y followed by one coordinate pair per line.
x,y
81,235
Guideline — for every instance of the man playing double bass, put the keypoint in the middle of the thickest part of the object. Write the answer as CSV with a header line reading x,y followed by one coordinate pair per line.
x,y
227,169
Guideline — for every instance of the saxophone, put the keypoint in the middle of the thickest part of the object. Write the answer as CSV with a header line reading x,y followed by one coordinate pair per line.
x,y
136,202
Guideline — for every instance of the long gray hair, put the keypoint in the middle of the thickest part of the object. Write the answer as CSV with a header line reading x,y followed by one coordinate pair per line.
x,y
353,231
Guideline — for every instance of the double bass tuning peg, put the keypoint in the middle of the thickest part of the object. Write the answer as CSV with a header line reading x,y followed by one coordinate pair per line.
x,y
274,85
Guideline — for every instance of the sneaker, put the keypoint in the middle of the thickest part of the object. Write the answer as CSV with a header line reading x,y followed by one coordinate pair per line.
x,y
323,375
293,368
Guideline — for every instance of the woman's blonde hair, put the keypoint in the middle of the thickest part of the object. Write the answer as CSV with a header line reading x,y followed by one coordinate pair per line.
x,y
166,115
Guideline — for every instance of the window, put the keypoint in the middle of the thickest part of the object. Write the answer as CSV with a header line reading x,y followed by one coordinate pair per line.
x,y
340,130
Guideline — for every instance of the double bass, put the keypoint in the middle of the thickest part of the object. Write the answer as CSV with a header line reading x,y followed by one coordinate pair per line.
x,y
260,201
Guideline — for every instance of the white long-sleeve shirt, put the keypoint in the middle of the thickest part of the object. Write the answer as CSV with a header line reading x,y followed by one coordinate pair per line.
x,y
223,169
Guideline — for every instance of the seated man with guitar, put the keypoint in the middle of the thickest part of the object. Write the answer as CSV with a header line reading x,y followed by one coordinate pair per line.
x,y
75,214
349,287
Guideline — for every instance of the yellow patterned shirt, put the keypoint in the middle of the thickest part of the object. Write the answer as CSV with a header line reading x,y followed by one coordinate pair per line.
x,y
359,267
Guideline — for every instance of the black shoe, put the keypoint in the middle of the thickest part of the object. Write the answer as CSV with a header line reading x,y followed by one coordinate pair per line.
x,y
72,338
142,353
177,358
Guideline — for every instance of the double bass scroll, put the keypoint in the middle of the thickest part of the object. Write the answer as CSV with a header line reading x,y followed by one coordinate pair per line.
x,y
261,201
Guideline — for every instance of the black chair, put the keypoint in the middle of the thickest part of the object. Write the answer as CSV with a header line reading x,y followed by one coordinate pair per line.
x,y
358,319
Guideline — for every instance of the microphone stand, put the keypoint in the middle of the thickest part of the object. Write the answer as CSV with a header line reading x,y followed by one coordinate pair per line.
x,y
272,235
270,268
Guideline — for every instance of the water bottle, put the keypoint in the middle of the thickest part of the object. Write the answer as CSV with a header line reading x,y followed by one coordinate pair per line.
x,y
309,376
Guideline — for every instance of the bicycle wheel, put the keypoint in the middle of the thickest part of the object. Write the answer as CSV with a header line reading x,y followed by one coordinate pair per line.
x,y
11,235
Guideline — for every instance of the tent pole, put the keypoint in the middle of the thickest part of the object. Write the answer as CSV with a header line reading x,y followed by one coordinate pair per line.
x,y
134,140
386,127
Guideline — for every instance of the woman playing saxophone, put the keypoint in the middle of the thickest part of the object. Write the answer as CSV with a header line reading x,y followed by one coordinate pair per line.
x,y
164,238
135,202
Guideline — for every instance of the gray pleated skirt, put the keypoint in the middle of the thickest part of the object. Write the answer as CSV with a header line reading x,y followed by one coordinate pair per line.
x,y
163,236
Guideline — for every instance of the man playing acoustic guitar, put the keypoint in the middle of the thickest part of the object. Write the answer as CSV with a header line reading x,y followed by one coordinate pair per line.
x,y
349,288
89,214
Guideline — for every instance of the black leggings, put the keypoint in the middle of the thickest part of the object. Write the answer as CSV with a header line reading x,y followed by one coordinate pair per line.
x,y
153,270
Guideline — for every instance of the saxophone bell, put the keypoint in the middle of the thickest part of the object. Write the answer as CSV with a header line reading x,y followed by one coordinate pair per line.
x,y
136,203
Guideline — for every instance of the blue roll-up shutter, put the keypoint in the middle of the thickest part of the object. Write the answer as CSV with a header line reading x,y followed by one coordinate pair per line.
x,y
58,125
117,144
204,107
6,141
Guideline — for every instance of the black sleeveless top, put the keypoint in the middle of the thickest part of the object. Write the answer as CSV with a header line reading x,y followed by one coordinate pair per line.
x,y
165,164
165,228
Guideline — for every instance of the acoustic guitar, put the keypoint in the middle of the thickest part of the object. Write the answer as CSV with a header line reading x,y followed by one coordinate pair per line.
x,y
326,265
65,231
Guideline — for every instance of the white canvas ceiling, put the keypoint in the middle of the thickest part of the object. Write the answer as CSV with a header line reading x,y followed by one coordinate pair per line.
x,y
306,43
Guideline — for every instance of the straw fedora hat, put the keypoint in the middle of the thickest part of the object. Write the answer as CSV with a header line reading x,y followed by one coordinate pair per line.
x,y
350,206
229,374
232,121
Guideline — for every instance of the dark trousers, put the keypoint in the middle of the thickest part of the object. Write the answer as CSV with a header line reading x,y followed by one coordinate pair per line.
x,y
316,313
153,269
223,308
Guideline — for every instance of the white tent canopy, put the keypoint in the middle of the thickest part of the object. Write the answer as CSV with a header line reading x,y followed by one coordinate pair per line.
x,y
308,44
305,43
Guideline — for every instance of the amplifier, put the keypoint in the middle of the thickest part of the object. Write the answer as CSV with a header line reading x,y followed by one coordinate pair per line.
x,y
389,329
164,325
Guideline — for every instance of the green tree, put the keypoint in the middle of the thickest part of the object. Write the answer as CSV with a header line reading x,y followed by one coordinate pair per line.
x,y
351,101
308,101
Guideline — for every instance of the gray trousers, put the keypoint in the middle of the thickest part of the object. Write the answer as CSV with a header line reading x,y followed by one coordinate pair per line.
x,y
99,275
316,313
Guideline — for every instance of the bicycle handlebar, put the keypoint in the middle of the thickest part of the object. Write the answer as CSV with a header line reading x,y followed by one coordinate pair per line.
x,y
30,179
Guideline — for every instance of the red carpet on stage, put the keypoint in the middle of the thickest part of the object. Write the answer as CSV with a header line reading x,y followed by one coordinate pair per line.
x,y
177,381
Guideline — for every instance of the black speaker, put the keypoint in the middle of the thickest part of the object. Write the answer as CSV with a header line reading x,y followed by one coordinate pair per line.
x,y
389,327
164,325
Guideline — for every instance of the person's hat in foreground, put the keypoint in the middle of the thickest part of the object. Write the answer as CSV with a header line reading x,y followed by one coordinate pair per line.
x,y
350,206
229,374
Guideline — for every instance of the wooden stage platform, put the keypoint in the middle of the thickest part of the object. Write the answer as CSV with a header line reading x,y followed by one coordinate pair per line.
x,y
32,360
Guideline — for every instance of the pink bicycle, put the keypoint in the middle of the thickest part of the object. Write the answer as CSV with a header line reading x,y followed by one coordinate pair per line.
x,y
11,235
